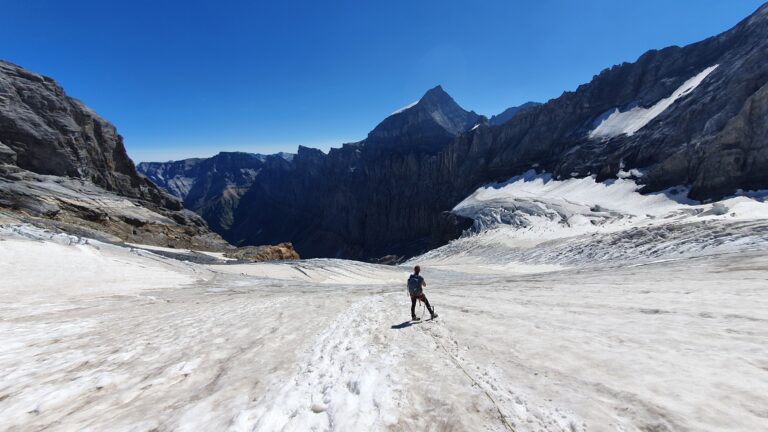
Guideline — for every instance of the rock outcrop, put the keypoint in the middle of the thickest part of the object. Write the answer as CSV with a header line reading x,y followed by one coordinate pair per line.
x,y
279,252
63,166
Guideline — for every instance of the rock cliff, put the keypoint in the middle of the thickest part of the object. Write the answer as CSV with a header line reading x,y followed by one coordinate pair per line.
x,y
63,166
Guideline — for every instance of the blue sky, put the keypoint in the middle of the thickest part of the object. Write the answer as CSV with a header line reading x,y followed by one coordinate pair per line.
x,y
192,78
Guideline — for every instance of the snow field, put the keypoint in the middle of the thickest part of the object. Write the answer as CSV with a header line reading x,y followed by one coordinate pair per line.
x,y
322,271
35,263
651,318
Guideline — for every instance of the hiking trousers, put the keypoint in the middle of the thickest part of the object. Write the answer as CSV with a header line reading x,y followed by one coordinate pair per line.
x,y
423,298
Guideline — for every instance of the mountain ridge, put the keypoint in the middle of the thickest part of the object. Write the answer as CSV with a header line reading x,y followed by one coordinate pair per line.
x,y
392,192
510,112
425,125
212,187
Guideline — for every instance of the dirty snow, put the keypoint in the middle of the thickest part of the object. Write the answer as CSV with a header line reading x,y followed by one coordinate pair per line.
x,y
629,122
571,306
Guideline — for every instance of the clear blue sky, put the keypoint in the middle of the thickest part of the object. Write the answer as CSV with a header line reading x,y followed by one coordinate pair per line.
x,y
191,78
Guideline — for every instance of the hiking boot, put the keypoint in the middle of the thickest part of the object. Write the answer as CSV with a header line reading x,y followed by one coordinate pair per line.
x,y
415,318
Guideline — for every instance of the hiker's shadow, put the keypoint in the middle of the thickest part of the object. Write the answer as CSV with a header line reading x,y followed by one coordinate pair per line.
x,y
404,324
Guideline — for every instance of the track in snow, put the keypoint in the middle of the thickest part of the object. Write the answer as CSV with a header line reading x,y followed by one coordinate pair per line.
x,y
346,381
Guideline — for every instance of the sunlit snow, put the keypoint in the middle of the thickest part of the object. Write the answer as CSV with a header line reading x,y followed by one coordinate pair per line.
x,y
410,105
631,121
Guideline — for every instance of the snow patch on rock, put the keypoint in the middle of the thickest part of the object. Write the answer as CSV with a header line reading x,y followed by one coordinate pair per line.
x,y
629,122
410,105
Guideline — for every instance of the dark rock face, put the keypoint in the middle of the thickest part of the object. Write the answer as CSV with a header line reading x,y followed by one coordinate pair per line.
x,y
51,133
697,141
364,200
508,113
426,126
368,200
62,163
390,194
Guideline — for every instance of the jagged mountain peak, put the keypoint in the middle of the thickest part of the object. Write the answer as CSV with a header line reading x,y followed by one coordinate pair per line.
x,y
433,99
436,95
428,123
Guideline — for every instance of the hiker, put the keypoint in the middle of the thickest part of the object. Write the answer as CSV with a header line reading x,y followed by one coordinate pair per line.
x,y
415,289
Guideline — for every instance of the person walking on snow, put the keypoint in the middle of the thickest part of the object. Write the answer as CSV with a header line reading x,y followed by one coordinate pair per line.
x,y
416,284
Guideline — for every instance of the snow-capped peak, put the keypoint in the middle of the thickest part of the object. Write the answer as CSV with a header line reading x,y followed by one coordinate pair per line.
x,y
410,105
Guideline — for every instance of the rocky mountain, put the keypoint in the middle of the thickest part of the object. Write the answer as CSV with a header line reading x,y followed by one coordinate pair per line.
x,y
688,116
362,187
180,178
425,125
692,116
211,187
176,177
508,113
64,167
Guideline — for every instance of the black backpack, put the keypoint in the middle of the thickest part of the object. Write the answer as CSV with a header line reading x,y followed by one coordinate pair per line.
x,y
414,285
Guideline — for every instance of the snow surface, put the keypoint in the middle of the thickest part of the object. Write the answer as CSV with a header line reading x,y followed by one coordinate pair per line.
x,y
80,263
571,306
629,122
322,271
410,105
